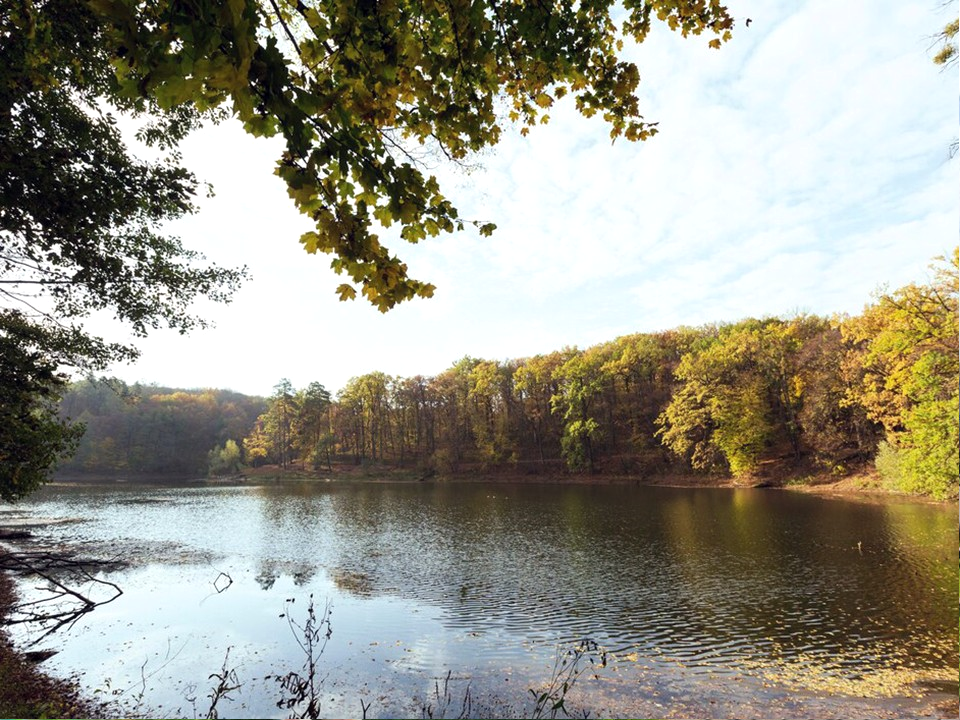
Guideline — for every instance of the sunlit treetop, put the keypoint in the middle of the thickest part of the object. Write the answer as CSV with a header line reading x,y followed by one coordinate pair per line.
x,y
355,88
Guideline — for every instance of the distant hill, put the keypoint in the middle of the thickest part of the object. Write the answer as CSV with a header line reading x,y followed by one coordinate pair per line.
x,y
148,429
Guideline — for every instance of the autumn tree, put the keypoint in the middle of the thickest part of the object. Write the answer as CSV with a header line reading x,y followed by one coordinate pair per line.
x,y
280,416
415,413
364,416
312,437
741,393
535,384
350,421
579,381
225,459
711,407
257,445
491,408
836,432
640,370
907,344
455,433
273,437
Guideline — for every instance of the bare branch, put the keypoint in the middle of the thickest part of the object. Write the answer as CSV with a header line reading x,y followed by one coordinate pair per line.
x,y
58,615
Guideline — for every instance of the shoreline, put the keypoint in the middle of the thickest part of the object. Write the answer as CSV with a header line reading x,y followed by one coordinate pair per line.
x,y
864,485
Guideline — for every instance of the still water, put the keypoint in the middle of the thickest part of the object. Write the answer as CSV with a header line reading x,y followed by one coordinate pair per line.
x,y
708,602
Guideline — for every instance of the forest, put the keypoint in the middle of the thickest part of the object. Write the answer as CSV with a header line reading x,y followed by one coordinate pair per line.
x,y
151,430
750,399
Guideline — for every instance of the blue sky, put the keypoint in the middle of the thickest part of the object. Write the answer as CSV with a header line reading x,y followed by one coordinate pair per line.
x,y
796,170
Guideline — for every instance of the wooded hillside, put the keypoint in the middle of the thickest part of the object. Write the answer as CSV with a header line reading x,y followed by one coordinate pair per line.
x,y
150,429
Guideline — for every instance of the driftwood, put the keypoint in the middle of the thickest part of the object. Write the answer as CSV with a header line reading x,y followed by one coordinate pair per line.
x,y
70,583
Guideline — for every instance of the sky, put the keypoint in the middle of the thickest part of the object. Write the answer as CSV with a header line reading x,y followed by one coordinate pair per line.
x,y
797,170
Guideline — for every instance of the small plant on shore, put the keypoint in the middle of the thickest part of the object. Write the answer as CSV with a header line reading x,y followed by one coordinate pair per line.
x,y
443,699
568,667
300,691
549,701
227,682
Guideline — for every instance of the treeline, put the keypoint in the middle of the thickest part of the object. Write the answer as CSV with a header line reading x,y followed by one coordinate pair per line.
x,y
719,398
151,429
827,394
754,397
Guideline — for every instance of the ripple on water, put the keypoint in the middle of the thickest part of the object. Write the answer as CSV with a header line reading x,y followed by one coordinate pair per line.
x,y
791,590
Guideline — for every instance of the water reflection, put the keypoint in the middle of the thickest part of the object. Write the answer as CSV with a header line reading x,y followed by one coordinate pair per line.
x,y
710,577
485,580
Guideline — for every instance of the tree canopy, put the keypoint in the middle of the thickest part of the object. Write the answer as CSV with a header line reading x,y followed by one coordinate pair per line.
x,y
81,218
32,437
358,89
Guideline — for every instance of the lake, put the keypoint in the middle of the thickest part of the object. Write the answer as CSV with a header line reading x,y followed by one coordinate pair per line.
x,y
706,602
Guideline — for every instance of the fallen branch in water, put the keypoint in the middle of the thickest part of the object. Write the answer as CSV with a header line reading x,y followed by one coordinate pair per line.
x,y
64,603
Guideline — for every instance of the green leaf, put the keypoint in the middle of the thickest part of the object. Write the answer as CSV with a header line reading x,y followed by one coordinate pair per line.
x,y
346,292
